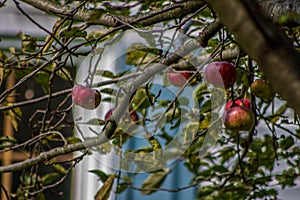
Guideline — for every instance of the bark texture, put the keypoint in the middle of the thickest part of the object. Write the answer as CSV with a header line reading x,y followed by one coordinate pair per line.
x,y
286,12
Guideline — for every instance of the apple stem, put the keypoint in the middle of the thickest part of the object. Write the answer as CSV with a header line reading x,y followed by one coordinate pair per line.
x,y
232,97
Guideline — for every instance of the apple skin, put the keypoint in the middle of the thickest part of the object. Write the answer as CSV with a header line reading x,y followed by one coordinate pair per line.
x,y
85,97
239,118
76,100
239,102
133,115
178,78
220,74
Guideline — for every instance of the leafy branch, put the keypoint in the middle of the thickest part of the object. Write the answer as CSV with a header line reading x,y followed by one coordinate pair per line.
x,y
107,133
265,43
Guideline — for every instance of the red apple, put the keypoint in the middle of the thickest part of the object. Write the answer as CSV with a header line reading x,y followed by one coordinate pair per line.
x,y
108,114
239,102
75,90
86,97
178,78
134,117
239,118
220,74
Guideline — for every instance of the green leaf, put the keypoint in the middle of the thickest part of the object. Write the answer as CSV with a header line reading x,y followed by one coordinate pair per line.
x,y
21,194
109,8
262,180
154,143
64,74
96,34
204,123
73,32
42,78
138,54
204,191
15,116
189,130
54,137
73,140
121,188
148,36
165,136
220,168
172,114
227,153
50,178
28,43
108,91
40,196
201,89
165,103
256,146
206,107
155,180
287,178
7,141
2,4
101,175
104,192
59,168
104,73
290,18
276,116
140,99
287,143
104,148
108,100
94,121
145,158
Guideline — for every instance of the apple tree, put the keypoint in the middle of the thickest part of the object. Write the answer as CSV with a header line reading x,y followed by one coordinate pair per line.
x,y
210,84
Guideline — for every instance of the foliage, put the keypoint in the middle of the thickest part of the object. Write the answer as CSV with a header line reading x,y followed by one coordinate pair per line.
x,y
241,165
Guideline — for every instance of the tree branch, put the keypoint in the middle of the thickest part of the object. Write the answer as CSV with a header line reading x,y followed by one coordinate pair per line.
x,y
228,55
265,43
109,129
102,18
44,156
278,9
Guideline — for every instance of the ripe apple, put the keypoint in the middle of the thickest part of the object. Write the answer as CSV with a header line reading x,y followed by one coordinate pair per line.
x,y
262,90
179,78
220,74
134,117
239,102
239,118
75,90
86,97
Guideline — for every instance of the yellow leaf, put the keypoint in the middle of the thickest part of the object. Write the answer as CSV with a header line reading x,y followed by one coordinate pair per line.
x,y
104,192
154,181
